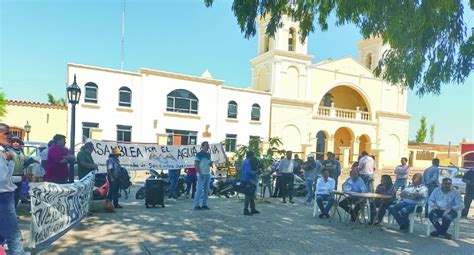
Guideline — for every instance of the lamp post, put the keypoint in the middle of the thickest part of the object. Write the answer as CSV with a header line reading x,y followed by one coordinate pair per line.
x,y
27,130
73,96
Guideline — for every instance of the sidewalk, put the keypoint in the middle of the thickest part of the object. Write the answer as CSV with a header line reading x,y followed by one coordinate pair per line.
x,y
280,229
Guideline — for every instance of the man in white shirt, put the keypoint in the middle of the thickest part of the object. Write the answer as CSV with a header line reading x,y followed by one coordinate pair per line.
x,y
9,228
287,178
324,186
445,202
366,170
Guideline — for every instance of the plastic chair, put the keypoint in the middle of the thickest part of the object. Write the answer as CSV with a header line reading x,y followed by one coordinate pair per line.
x,y
455,226
411,217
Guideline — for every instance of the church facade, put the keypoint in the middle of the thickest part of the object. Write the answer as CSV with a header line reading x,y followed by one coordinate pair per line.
x,y
332,105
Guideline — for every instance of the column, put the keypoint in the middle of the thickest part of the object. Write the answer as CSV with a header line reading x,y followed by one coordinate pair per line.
x,y
358,115
355,151
345,151
330,144
333,110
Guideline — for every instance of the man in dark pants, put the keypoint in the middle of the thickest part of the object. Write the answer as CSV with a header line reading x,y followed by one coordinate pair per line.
x,y
286,168
468,178
278,179
430,179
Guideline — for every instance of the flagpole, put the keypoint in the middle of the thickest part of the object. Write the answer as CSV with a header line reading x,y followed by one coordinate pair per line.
x,y
123,36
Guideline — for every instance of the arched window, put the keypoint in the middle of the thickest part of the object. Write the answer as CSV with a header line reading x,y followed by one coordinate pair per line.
x,y
255,112
368,61
181,100
125,97
232,110
292,40
90,95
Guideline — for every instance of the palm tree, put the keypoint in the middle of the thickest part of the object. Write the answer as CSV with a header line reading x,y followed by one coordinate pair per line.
x,y
53,100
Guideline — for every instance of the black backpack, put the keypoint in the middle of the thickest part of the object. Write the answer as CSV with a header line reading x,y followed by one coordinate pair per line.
x,y
124,179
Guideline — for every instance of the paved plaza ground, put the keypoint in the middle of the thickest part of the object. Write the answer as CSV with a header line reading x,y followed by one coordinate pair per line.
x,y
279,229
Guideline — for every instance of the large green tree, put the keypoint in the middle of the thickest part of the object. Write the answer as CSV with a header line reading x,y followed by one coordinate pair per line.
x,y
3,104
428,38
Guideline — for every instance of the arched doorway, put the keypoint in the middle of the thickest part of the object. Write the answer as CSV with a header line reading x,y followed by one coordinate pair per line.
x,y
468,159
343,138
320,144
364,144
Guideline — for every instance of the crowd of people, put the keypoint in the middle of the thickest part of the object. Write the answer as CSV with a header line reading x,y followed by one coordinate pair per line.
x,y
440,202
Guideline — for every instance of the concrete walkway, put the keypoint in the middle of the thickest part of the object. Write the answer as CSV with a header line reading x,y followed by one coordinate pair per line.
x,y
279,229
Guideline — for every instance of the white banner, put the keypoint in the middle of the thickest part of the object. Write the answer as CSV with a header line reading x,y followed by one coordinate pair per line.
x,y
146,156
55,208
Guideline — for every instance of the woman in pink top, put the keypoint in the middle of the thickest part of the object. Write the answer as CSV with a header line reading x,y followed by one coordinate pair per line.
x,y
190,180
58,159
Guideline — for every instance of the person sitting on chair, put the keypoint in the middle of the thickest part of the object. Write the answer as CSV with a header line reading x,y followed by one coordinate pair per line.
x,y
324,186
445,202
385,187
413,195
353,184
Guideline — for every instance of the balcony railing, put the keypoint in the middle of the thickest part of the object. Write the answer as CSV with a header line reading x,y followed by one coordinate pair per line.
x,y
343,113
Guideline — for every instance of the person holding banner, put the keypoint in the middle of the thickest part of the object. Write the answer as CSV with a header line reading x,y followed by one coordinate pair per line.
x,y
203,164
85,163
113,169
58,159
9,228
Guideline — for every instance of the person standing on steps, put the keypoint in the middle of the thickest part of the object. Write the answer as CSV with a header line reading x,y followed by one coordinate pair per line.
x,y
203,165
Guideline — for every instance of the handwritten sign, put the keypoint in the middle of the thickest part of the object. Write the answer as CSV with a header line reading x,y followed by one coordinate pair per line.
x,y
146,156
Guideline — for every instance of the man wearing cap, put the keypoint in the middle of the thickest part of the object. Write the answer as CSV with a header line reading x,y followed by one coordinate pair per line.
x,y
85,163
311,169
18,157
113,170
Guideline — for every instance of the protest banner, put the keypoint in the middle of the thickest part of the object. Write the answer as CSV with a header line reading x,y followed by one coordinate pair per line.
x,y
146,156
56,208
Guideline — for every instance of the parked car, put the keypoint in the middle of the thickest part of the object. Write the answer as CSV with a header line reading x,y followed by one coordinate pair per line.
x,y
32,149
456,175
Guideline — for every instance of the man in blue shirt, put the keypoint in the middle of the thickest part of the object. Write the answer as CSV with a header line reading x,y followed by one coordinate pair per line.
x,y
444,203
249,174
203,164
353,184
430,178
413,195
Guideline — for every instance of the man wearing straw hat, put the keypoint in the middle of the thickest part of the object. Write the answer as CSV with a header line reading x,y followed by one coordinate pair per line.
x,y
113,169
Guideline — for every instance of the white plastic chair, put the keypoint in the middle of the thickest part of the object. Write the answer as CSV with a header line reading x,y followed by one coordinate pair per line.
x,y
411,217
455,226
316,207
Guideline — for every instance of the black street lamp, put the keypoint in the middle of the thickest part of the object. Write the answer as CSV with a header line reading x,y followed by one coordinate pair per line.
x,y
73,96
27,130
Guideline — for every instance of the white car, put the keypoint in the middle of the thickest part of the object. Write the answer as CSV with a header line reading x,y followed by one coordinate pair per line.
x,y
455,174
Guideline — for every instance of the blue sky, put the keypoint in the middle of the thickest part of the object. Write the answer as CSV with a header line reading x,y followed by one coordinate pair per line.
x,y
39,37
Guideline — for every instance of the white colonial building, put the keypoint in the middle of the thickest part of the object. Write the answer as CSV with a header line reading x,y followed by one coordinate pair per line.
x,y
151,106
332,105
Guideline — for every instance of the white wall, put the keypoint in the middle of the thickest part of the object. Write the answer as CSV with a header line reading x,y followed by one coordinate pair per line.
x,y
149,94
